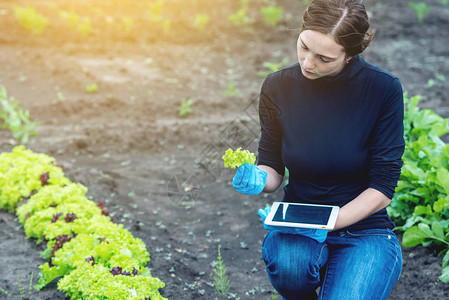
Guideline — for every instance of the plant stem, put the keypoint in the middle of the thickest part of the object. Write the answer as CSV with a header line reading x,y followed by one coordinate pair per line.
x,y
31,282
20,287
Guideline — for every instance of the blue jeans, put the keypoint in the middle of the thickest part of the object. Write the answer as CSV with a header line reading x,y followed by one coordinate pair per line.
x,y
356,265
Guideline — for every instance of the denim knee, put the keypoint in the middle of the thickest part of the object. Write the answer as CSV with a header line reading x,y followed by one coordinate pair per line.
x,y
293,263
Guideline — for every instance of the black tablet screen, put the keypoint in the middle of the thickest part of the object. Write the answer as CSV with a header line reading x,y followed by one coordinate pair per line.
x,y
303,214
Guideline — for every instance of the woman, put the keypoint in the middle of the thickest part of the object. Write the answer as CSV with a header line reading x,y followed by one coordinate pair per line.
x,y
335,121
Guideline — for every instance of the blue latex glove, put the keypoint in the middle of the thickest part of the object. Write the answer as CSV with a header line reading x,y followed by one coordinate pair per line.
x,y
316,234
249,179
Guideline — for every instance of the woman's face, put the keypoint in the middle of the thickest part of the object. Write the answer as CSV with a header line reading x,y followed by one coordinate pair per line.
x,y
319,55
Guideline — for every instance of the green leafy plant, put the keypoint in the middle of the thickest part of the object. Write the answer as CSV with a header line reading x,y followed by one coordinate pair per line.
x,y
222,283
97,259
185,107
445,2
421,9
60,96
234,159
241,18
420,206
5,292
71,18
31,19
92,88
273,66
232,91
84,26
15,119
128,23
272,15
274,296
155,10
201,21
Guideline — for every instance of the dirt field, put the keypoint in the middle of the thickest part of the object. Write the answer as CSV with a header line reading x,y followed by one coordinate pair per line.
x,y
128,146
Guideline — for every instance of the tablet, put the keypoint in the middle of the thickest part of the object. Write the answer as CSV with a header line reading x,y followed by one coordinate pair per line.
x,y
302,215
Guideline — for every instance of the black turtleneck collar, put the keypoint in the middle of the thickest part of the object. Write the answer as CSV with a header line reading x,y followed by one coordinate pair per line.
x,y
350,70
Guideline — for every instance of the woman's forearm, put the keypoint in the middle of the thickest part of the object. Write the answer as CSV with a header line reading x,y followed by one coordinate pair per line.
x,y
364,205
274,179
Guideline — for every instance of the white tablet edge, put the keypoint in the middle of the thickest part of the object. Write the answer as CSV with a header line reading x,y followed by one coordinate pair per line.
x,y
330,224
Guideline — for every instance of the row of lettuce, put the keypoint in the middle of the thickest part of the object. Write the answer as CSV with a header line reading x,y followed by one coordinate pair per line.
x,y
420,206
91,256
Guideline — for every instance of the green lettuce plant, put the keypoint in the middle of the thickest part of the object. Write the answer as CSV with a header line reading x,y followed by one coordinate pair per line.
x,y
271,15
420,206
234,159
31,19
92,257
20,173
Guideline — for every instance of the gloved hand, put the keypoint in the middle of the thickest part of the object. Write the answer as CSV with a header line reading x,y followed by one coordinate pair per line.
x,y
249,179
316,234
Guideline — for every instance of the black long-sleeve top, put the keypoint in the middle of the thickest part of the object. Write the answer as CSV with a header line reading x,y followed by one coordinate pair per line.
x,y
337,135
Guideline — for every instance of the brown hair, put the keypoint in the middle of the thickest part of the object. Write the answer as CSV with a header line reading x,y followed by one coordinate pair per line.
x,y
346,20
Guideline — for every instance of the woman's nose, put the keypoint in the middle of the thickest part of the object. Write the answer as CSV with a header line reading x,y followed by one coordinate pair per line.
x,y
308,62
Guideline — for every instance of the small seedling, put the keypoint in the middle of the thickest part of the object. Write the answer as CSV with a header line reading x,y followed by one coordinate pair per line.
x,y
241,18
222,284
201,20
155,11
274,296
185,107
5,292
431,82
84,27
92,88
440,77
61,97
271,15
30,19
15,119
232,91
128,23
166,25
31,283
421,8
273,66
22,293
71,17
